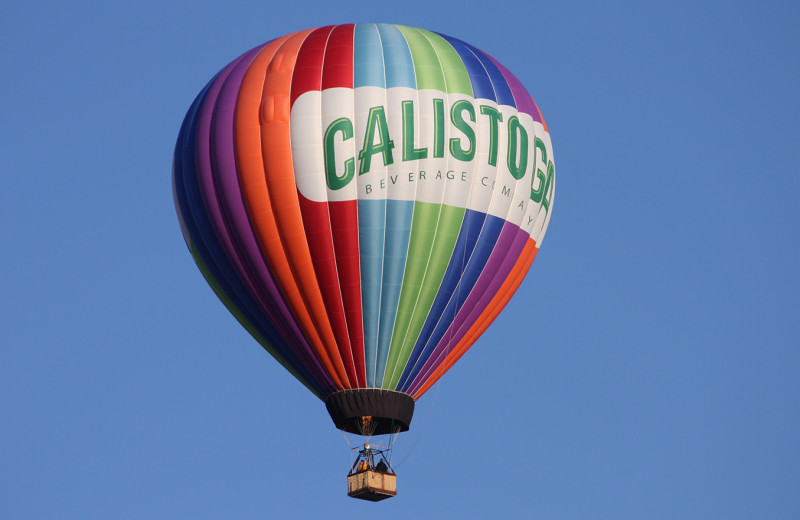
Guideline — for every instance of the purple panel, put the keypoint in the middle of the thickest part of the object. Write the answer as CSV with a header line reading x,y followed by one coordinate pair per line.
x,y
521,96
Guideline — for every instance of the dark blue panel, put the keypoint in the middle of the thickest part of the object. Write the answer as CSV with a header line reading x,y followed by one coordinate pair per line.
x,y
481,82
474,58
501,88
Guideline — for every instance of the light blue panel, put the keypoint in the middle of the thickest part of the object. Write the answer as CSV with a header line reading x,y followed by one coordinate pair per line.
x,y
397,55
398,231
371,233
368,66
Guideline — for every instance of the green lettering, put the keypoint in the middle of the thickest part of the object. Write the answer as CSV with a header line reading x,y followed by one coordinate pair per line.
x,y
517,139
495,117
457,117
538,146
548,188
409,152
336,182
376,123
438,128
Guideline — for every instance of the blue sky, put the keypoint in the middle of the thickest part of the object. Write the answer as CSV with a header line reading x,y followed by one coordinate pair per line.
x,y
647,368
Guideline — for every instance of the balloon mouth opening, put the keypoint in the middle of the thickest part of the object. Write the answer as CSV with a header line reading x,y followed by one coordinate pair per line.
x,y
370,411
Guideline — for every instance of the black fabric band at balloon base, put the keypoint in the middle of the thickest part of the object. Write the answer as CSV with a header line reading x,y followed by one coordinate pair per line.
x,y
370,411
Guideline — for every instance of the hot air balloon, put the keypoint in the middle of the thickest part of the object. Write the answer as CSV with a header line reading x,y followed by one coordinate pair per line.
x,y
365,199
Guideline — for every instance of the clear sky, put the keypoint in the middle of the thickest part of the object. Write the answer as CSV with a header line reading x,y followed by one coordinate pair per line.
x,y
646,369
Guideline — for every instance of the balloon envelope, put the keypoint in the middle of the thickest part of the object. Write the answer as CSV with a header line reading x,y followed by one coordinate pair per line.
x,y
365,199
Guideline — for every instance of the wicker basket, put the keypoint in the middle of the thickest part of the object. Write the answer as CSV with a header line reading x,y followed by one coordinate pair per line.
x,y
372,485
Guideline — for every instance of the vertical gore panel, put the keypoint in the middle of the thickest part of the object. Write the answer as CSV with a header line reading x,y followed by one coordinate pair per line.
x,y
338,68
183,172
399,215
497,89
427,70
524,101
397,56
368,70
456,77
245,244
338,73
306,75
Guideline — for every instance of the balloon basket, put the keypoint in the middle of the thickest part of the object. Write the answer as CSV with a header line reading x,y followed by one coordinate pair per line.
x,y
372,485
371,476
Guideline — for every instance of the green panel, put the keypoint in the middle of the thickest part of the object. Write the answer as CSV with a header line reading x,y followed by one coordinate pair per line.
x,y
426,62
444,242
456,76
436,63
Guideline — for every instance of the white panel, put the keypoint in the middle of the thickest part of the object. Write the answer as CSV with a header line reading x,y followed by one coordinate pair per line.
x,y
337,103
306,128
483,174
543,218
372,184
395,177
522,187
473,184
457,188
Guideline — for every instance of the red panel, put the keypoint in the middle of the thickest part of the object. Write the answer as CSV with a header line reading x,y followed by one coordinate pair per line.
x,y
317,224
307,74
338,72
344,215
338,69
